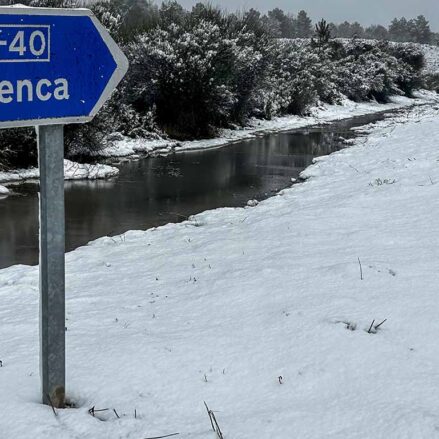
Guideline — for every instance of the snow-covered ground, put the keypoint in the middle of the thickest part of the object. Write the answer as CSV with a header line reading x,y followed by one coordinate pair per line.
x,y
263,312
72,171
324,114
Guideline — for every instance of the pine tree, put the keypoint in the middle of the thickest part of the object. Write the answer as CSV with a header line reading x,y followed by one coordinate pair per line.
x,y
283,24
303,25
421,30
399,30
172,12
377,32
323,32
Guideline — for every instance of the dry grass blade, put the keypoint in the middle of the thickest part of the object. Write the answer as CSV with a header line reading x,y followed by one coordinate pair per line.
x,y
371,326
210,416
382,323
217,429
51,404
361,269
162,437
214,423
92,411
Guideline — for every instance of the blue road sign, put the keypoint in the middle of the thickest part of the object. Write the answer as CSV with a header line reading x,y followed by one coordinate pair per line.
x,y
57,66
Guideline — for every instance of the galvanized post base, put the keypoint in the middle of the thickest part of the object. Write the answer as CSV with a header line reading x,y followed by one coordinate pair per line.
x,y
52,248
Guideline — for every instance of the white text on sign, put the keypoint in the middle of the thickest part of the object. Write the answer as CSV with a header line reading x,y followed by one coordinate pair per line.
x,y
24,43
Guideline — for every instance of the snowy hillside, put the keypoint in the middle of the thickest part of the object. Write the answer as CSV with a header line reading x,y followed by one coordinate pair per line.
x,y
311,315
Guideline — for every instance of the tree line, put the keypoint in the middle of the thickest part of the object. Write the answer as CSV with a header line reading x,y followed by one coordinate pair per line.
x,y
146,14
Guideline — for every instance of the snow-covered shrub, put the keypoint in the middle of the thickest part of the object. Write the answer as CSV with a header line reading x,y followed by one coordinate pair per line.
x,y
298,76
410,54
371,71
248,74
110,16
187,76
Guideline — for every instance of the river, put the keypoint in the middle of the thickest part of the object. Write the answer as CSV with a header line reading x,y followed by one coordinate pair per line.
x,y
153,191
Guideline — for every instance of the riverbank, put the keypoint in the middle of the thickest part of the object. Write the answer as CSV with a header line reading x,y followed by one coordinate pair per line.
x,y
72,171
312,314
135,148
257,127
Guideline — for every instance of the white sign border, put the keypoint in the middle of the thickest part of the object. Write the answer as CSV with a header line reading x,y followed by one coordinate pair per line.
x,y
119,58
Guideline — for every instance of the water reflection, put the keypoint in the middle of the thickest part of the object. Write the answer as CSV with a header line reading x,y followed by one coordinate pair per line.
x,y
155,191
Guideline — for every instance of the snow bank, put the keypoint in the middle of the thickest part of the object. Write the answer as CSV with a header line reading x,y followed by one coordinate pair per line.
x,y
4,190
324,114
72,171
262,312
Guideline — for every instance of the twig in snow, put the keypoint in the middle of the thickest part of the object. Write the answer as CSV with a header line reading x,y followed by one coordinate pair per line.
x,y
162,437
92,411
382,323
210,418
118,417
371,326
280,378
135,414
361,269
214,422
217,428
51,404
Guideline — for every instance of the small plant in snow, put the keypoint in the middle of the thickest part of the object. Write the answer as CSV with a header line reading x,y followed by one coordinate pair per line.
x,y
373,329
379,182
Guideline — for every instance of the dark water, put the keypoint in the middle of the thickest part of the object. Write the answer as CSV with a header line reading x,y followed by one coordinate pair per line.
x,y
155,191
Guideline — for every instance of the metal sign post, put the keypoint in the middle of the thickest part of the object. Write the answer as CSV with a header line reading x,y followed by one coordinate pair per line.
x,y
57,66
52,247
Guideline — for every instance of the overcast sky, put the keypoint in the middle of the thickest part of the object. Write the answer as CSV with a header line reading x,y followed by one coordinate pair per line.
x,y
364,11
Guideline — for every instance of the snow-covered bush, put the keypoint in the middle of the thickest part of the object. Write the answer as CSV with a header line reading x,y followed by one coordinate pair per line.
x,y
187,76
298,76
371,71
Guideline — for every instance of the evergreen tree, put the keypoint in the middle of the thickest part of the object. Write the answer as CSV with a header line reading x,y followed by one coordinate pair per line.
x,y
303,25
323,32
253,22
421,30
356,30
376,32
399,30
282,23
171,12
344,30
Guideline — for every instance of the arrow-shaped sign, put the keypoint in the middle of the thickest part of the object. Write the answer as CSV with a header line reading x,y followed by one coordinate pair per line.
x,y
57,66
